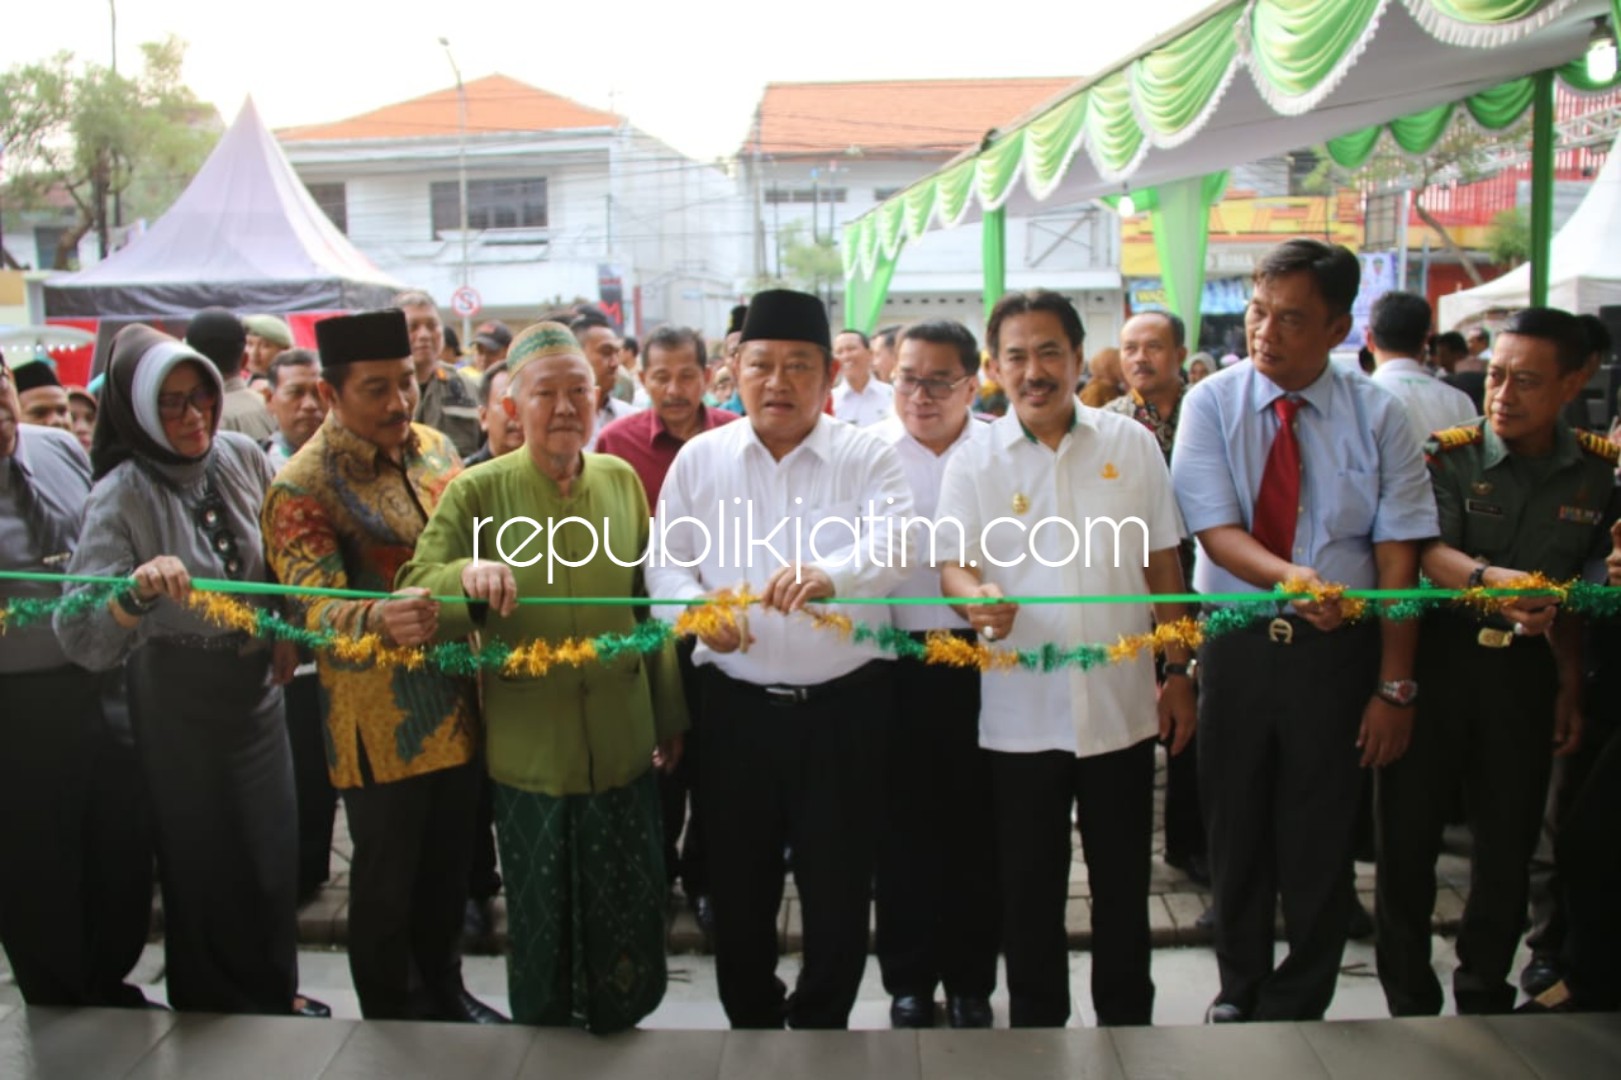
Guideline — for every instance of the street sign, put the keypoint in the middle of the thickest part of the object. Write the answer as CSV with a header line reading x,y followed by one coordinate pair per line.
x,y
465,302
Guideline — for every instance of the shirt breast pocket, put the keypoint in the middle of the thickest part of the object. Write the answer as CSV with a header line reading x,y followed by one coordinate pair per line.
x,y
1352,503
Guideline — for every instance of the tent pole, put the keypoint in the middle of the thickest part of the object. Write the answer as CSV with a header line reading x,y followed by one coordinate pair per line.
x,y
1542,157
993,236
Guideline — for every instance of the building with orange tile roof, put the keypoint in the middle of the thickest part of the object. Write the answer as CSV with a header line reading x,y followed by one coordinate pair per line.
x,y
820,154
560,197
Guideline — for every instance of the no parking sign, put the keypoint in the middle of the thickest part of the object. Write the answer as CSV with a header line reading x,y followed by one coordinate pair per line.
x,y
465,302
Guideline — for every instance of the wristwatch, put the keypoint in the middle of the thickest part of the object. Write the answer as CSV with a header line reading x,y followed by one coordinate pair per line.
x,y
1399,692
1188,670
1477,577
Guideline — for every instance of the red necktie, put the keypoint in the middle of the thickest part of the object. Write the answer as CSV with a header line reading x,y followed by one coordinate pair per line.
x,y
1277,505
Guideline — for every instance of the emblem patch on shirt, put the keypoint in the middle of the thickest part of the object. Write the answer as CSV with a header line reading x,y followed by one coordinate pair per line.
x,y
1475,506
1021,503
1481,487
1110,472
1579,514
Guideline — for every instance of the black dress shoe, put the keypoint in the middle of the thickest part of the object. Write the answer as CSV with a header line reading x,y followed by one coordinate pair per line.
x,y
1541,973
1207,920
1361,928
1222,1012
478,928
467,1009
969,1011
911,1011
308,1006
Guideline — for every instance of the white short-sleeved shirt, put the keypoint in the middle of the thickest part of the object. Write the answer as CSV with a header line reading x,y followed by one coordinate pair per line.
x,y
1431,405
924,470
869,405
1108,468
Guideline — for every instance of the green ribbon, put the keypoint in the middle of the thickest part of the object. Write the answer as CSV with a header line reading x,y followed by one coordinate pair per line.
x,y
1234,611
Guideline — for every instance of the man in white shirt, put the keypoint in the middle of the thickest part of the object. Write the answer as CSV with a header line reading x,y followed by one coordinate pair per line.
x,y
1397,327
794,717
859,398
936,886
601,344
1065,500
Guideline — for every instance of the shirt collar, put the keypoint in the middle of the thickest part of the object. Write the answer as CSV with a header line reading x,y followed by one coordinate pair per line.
x,y
1263,391
892,430
656,426
1566,451
1009,430
1403,364
818,441
343,442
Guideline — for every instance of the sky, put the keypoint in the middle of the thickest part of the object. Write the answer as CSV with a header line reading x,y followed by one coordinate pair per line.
x,y
689,73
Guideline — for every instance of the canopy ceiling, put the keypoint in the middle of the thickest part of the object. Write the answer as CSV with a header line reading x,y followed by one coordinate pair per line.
x,y
1244,80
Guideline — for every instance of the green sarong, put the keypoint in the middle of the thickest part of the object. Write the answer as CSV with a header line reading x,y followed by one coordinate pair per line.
x,y
585,905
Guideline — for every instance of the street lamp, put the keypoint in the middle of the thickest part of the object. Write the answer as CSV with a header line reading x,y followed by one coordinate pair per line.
x,y
461,173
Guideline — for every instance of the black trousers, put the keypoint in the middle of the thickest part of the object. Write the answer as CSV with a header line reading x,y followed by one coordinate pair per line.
x,y
408,888
211,734
76,892
1589,860
1184,819
679,788
810,774
1486,720
1603,712
1113,799
935,897
1280,778
317,799
483,870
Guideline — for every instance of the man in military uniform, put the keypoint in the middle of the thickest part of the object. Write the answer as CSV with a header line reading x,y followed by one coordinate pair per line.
x,y
1517,492
445,401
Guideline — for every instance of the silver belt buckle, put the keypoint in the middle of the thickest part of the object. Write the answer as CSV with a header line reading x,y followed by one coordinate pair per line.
x,y
787,695
1281,631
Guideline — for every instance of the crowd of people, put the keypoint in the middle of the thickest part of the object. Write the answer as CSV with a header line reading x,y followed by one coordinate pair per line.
x,y
939,799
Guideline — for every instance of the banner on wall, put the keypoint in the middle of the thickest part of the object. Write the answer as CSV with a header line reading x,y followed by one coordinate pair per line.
x,y
1221,296
1378,278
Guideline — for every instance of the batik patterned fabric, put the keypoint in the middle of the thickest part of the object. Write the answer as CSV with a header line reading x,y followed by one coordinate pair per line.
x,y
341,515
1134,405
585,890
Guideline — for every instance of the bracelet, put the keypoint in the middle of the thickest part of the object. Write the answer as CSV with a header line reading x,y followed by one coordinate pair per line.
x,y
134,606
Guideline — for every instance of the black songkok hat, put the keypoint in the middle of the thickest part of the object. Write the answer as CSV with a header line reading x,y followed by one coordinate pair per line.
x,y
370,335
739,313
219,335
33,374
786,315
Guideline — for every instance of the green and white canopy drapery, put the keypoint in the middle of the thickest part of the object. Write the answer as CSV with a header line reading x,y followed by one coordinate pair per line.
x,y
1317,70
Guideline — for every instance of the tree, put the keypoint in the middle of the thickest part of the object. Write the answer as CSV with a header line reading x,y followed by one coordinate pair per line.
x,y
813,266
1460,156
1509,240
98,135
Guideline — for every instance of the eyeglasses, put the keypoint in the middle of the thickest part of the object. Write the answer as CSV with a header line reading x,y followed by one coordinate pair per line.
x,y
173,406
933,389
209,515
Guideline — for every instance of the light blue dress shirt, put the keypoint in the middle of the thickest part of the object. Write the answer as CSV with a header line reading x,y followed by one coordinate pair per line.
x,y
1363,479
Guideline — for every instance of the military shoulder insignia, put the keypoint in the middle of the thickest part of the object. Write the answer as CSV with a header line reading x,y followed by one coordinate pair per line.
x,y
1453,438
1599,446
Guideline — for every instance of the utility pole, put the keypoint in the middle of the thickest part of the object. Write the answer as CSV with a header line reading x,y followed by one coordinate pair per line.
x,y
461,176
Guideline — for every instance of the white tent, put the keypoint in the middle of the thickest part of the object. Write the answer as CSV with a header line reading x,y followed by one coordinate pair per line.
x,y
1584,264
245,234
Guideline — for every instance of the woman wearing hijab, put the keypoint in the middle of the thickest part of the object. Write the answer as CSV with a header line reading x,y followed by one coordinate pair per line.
x,y
176,498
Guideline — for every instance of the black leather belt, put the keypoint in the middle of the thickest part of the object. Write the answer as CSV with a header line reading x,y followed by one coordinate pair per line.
x,y
787,696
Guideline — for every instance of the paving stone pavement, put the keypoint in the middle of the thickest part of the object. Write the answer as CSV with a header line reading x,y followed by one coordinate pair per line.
x,y
1175,902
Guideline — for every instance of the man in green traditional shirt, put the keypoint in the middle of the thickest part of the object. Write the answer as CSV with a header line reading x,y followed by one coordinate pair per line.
x,y
1518,492
571,748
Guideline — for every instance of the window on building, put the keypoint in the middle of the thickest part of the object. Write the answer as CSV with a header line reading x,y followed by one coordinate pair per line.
x,y
334,203
884,194
47,238
805,195
491,204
